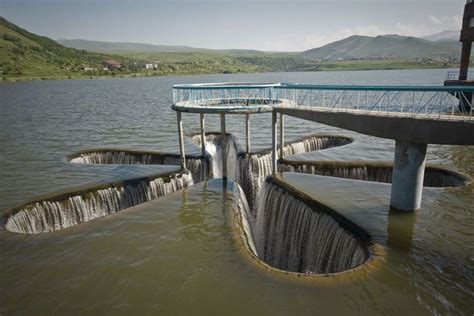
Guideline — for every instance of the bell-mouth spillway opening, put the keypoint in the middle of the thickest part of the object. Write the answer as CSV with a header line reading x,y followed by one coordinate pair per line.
x,y
293,236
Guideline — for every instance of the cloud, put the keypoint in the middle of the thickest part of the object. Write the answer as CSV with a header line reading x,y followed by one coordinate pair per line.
x,y
430,25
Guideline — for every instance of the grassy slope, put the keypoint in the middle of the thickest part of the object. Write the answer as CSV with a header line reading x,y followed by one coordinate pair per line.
x,y
24,55
383,47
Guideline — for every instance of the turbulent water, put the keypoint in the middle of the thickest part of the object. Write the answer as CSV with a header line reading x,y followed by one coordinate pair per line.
x,y
291,235
76,208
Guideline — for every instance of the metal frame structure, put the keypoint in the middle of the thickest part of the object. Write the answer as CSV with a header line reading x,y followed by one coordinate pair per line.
x,y
435,102
414,102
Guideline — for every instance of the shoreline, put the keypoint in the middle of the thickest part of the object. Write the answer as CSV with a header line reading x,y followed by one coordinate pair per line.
x,y
327,68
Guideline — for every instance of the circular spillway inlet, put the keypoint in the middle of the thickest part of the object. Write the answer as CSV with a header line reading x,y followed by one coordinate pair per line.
x,y
231,97
292,236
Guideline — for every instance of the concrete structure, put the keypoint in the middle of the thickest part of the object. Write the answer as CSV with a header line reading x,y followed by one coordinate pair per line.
x,y
408,174
413,116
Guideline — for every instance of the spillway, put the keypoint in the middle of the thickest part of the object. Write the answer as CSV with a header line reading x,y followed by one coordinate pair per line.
x,y
76,207
254,167
296,234
372,171
200,167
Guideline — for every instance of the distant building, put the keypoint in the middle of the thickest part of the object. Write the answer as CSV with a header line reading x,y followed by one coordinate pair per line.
x,y
153,65
87,68
111,64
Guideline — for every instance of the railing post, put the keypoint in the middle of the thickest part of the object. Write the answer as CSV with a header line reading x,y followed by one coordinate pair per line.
x,y
247,133
282,135
224,147
274,141
203,136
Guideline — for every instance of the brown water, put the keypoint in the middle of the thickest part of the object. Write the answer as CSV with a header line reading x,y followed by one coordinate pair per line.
x,y
178,255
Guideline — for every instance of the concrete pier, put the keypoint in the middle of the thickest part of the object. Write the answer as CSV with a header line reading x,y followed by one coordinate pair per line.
x,y
274,142
203,135
408,173
224,147
181,140
247,133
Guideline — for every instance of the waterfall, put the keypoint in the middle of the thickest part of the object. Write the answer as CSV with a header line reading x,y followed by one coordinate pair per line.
x,y
245,216
197,165
377,172
253,168
366,172
75,208
214,152
294,236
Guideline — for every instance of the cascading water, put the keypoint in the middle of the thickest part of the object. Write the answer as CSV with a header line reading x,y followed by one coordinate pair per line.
x,y
214,152
243,209
378,172
294,236
197,165
76,208
254,168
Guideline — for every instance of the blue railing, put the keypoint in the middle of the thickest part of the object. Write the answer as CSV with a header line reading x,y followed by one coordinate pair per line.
x,y
447,102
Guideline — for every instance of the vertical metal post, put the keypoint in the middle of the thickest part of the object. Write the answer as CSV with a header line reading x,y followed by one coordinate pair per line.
x,y
247,133
203,136
282,134
274,142
224,147
181,140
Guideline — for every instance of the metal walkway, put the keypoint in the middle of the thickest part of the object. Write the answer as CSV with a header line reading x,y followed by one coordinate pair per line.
x,y
414,116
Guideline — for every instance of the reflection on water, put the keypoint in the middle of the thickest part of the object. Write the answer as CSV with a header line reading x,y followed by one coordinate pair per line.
x,y
400,230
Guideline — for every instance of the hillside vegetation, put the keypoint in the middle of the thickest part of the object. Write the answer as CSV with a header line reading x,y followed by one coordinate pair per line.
x,y
27,55
386,47
24,55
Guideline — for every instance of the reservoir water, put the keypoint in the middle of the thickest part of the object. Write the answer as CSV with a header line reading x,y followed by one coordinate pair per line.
x,y
179,254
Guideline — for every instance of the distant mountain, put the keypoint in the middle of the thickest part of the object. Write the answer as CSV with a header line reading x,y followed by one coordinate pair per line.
x,y
125,47
384,47
128,48
443,36
29,55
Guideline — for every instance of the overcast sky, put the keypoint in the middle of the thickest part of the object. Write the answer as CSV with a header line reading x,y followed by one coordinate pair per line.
x,y
281,25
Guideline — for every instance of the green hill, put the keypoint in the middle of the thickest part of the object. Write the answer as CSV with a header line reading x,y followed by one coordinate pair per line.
x,y
24,55
385,47
124,47
27,55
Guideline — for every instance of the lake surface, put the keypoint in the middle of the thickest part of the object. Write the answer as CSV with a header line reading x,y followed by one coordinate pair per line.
x,y
177,254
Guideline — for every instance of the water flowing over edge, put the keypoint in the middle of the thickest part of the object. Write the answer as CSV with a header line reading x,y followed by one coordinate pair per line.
x,y
306,237
73,208
250,171
200,167
435,176
253,168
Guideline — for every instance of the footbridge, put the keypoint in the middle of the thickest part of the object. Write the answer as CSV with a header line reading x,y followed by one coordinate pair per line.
x,y
413,116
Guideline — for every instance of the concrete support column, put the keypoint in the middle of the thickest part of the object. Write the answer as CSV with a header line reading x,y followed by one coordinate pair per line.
x,y
224,147
282,134
247,132
274,142
181,140
408,174
203,136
